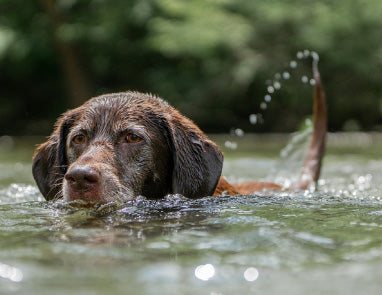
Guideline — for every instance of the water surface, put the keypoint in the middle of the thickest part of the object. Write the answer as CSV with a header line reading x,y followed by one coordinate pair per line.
x,y
323,242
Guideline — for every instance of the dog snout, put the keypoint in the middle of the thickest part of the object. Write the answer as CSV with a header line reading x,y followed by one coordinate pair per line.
x,y
83,178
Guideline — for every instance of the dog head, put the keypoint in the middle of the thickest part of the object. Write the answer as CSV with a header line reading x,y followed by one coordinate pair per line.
x,y
116,147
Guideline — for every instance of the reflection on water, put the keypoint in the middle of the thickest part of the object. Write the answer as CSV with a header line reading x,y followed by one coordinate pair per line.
x,y
251,274
205,272
11,273
324,242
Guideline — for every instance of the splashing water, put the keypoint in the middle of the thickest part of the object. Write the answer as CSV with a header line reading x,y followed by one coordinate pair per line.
x,y
287,168
275,84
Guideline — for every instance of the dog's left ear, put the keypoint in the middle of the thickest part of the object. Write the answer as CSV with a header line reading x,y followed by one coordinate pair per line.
x,y
197,160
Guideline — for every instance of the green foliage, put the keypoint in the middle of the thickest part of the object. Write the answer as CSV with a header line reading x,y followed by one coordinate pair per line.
x,y
209,58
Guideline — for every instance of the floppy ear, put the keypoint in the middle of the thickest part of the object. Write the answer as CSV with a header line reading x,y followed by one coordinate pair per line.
x,y
197,160
45,168
49,161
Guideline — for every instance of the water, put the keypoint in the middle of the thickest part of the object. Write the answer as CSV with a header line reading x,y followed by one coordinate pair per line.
x,y
325,242
276,83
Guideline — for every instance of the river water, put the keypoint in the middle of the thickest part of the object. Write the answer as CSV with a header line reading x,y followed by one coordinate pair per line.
x,y
323,242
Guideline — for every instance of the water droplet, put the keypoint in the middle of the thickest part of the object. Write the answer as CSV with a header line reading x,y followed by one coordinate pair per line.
x,y
205,272
267,98
306,53
312,82
251,274
277,85
300,55
304,79
239,132
277,76
286,75
315,56
270,89
293,64
263,106
253,119
230,145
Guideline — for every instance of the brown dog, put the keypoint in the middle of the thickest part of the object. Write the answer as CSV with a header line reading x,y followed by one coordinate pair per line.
x,y
116,147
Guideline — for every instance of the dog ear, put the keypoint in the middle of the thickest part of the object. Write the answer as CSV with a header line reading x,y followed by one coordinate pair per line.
x,y
49,161
44,168
197,160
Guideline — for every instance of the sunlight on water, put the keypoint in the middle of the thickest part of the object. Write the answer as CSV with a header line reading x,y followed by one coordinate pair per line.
x,y
11,273
205,272
16,193
251,274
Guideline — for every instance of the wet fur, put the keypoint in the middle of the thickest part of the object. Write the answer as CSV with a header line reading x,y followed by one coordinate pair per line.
x,y
174,156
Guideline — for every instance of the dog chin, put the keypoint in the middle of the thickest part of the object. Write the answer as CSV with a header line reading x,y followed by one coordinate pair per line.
x,y
98,197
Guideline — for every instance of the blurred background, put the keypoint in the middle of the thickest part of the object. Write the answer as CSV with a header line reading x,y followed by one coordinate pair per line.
x,y
212,59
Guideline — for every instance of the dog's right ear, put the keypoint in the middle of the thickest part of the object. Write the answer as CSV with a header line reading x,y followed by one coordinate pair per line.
x,y
49,163
44,168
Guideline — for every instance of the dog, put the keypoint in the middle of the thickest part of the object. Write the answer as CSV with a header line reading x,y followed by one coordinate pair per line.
x,y
118,146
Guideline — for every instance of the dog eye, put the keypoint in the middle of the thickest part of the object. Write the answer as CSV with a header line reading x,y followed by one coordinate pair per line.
x,y
132,138
79,139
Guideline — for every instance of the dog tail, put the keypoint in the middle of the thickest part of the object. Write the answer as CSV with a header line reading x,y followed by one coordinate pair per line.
x,y
311,168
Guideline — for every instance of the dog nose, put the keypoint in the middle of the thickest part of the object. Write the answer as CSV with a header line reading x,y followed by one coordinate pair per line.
x,y
83,177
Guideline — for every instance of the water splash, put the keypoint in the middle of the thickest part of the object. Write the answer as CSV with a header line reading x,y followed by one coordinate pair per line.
x,y
287,168
237,132
293,64
275,84
230,145
256,118
253,119
286,75
292,156
304,79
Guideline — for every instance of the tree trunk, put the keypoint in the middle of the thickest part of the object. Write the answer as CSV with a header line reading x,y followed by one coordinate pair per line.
x,y
77,82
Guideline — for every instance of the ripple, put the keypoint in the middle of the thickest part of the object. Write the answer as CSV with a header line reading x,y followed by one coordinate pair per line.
x,y
17,193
